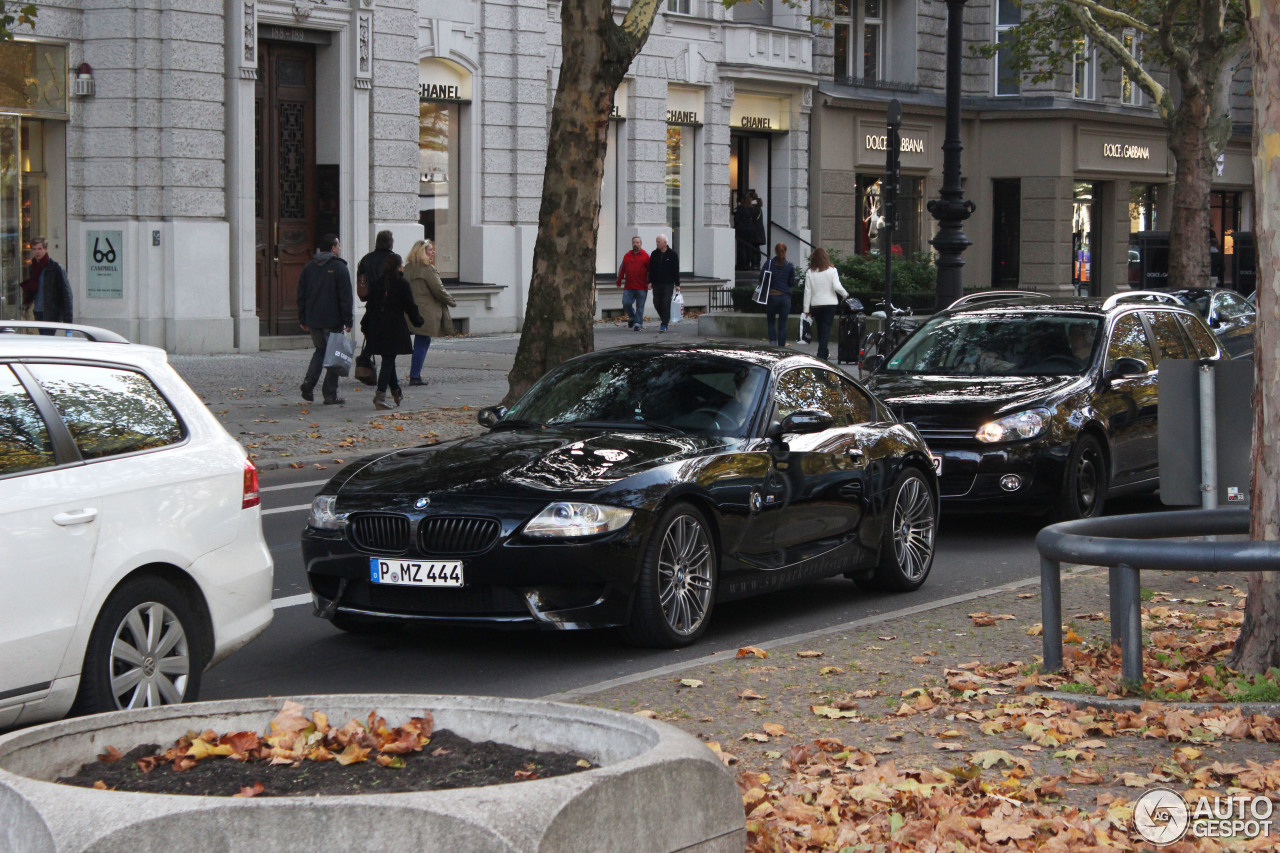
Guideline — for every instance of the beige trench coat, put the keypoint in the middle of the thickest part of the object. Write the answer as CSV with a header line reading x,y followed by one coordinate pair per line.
x,y
432,299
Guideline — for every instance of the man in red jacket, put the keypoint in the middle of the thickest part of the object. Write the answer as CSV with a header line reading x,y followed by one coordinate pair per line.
x,y
635,272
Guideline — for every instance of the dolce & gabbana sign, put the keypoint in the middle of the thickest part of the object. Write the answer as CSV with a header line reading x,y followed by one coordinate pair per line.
x,y
1122,151
918,148
910,145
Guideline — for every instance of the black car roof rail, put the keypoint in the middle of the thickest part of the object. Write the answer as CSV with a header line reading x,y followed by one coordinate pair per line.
x,y
994,296
1139,296
90,333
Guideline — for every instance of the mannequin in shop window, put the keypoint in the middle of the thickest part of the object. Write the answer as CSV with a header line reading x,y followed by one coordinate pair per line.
x,y
873,224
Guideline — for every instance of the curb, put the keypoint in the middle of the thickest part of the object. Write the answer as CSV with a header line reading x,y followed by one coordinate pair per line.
x,y
1267,709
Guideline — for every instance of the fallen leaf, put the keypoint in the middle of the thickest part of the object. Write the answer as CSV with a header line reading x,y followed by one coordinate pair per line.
x,y
250,790
112,754
748,651
645,713
832,713
690,682
809,654
582,762
997,830
100,785
352,754
758,737
831,670
748,693
1026,595
774,729
991,757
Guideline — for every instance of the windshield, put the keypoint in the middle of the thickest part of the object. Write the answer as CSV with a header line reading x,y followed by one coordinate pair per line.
x,y
1002,345
685,391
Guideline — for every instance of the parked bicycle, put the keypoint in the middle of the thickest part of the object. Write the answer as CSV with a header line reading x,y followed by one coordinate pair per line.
x,y
899,324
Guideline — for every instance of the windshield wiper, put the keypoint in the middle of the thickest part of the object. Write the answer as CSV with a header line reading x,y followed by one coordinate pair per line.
x,y
637,425
515,423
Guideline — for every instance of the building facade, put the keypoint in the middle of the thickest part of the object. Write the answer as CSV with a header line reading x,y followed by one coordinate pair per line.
x,y
1062,173
183,156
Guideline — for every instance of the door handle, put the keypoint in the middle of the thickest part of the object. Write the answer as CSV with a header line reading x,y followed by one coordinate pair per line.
x,y
75,516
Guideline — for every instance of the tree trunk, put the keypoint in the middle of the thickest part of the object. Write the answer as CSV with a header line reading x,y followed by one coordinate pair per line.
x,y
560,309
1259,645
1193,178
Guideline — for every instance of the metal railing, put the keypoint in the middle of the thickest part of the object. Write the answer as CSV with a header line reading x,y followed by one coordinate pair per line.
x,y
784,228
1127,544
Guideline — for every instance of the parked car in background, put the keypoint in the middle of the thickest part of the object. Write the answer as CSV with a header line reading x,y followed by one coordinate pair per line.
x,y
634,487
1231,317
1041,406
133,547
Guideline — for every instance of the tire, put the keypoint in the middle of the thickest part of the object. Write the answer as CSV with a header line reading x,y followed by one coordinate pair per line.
x,y
910,529
1084,485
131,664
676,590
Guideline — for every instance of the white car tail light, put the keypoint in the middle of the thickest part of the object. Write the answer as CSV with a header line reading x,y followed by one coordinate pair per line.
x,y
250,486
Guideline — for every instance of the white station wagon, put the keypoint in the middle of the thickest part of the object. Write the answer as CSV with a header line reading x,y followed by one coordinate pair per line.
x,y
132,555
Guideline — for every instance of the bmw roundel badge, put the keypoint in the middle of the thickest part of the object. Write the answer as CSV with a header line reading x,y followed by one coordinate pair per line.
x,y
422,503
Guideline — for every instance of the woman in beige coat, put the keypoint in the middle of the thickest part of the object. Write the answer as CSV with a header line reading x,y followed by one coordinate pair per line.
x,y
433,301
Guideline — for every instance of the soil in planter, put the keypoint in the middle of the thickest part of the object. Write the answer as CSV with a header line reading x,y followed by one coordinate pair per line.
x,y
448,761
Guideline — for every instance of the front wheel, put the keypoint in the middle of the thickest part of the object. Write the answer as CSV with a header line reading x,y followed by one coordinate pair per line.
x,y
906,546
146,650
676,589
1084,487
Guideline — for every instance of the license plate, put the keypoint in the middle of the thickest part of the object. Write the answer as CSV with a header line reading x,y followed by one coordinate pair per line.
x,y
415,572
937,463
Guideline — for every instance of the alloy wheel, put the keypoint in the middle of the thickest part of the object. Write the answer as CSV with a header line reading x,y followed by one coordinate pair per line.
x,y
150,658
1087,475
684,575
914,523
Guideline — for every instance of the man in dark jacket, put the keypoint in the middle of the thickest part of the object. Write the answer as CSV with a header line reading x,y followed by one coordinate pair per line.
x,y
47,290
664,277
324,306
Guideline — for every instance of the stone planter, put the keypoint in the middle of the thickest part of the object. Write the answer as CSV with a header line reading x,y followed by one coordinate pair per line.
x,y
657,789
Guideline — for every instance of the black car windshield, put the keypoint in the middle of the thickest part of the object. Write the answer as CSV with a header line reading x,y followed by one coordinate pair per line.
x,y
1000,345
686,391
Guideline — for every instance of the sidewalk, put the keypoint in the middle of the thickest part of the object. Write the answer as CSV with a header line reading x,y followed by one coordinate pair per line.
x,y
256,396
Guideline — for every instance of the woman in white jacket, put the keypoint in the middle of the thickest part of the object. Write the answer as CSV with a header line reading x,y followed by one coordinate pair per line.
x,y
820,300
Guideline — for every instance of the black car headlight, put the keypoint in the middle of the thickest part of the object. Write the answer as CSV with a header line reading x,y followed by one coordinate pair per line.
x,y
1023,425
324,514
564,519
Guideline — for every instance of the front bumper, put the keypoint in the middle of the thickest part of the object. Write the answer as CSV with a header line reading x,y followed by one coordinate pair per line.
x,y
971,475
517,583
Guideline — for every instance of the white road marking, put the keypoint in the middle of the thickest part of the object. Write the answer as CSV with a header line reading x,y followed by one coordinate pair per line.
x,y
720,657
307,485
291,601
294,508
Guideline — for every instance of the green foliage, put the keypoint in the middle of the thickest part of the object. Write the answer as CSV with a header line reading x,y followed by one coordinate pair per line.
x,y
23,14
913,273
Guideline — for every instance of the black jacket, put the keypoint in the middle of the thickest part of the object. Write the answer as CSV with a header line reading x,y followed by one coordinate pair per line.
x,y
55,294
324,293
664,267
384,326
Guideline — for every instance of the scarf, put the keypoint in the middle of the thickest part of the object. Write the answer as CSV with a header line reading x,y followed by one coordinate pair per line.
x,y
32,284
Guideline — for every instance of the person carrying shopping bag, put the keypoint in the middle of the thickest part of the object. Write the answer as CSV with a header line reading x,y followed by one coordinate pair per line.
x,y
385,326
782,279
433,302
820,300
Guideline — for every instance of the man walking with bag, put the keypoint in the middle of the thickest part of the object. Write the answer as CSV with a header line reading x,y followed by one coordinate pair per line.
x,y
664,275
324,306
635,272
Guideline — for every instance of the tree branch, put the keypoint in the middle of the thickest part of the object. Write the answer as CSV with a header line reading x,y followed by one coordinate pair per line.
x,y
1126,60
639,19
1122,18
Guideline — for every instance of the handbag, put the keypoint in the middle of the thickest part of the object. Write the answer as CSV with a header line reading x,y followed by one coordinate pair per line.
x,y
365,369
762,289
362,287
339,353
806,328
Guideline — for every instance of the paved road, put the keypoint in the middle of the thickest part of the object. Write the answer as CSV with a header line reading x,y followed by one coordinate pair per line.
x,y
303,654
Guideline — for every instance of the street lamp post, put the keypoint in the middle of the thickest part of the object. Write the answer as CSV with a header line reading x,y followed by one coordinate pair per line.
x,y
952,209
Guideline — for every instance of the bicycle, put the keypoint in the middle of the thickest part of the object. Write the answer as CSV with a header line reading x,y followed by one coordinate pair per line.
x,y
899,325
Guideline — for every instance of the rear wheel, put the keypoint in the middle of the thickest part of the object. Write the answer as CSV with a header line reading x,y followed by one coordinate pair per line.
x,y
146,650
1084,487
906,546
677,585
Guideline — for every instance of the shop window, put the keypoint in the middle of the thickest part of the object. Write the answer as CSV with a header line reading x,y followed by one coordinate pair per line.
x,y
438,195
1086,71
1130,91
1008,16
1006,232
1084,238
872,235
859,29
681,189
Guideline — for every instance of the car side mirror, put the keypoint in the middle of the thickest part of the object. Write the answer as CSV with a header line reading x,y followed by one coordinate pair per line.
x,y
806,420
1126,366
872,363
489,416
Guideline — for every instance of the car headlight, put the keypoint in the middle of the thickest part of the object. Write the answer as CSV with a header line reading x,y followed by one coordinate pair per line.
x,y
1023,425
323,514
563,519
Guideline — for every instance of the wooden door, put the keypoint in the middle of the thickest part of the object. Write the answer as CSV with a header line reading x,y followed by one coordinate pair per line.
x,y
285,175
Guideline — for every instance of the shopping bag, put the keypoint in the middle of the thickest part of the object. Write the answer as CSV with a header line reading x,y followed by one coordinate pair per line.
x,y
806,328
762,289
677,307
366,370
339,353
